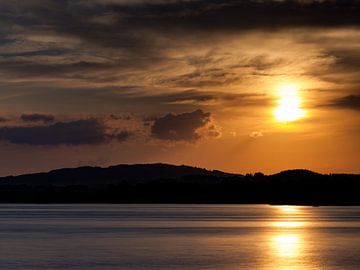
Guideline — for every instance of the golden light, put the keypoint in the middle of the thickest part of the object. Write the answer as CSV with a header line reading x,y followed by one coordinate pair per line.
x,y
288,224
289,106
286,245
289,208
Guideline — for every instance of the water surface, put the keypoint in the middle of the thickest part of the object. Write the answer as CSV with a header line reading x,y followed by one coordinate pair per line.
x,y
108,237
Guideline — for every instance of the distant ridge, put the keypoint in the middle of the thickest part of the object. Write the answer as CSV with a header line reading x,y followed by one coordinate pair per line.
x,y
297,172
99,176
166,183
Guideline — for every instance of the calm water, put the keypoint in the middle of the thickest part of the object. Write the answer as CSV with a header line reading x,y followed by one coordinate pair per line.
x,y
178,237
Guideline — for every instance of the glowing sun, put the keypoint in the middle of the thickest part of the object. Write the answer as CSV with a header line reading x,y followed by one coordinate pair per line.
x,y
289,105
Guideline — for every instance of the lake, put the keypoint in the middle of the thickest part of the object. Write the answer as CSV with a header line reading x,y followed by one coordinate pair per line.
x,y
104,237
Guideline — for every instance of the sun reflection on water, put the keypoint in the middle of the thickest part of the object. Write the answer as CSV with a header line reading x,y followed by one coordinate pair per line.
x,y
286,241
289,208
288,224
286,245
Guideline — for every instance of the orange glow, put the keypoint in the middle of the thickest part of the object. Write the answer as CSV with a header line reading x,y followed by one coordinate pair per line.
x,y
289,208
288,224
289,104
286,245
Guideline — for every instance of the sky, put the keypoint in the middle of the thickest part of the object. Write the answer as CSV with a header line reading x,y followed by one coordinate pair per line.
x,y
239,86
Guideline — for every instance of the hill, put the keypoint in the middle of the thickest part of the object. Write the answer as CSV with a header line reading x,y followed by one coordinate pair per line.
x,y
164,183
113,175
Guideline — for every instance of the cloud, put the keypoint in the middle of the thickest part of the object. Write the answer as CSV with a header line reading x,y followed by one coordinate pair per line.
x,y
73,38
208,98
121,136
346,102
45,118
3,119
79,132
167,47
180,127
120,117
256,134
235,15
210,130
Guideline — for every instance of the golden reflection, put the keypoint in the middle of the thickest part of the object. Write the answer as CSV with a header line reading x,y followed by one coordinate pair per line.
x,y
287,245
289,105
288,224
289,208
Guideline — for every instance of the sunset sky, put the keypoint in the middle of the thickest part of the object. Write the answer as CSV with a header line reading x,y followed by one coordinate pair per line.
x,y
239,86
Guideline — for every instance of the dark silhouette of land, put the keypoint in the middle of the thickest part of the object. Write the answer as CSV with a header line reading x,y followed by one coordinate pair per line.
x,y
163,183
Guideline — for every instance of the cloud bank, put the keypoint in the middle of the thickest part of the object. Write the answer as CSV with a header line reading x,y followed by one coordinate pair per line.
x,y
45,118
79,132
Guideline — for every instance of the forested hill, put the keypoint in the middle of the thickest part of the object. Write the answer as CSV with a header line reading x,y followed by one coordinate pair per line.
x,y
113,175
164,183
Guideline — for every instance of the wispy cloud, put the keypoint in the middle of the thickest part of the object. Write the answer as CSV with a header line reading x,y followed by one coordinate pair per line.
x,y
346,102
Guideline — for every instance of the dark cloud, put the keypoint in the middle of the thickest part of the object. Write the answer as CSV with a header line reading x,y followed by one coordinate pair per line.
x,y
195,98
82,19
134,35
121,136
3,119
120,117
180,127
346,66
45,118
342,64
33,53
237,15
348,60
347,102
86,21
5,41
117,42
26,68
80,132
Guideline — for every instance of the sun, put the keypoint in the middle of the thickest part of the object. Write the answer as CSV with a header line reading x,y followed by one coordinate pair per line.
x,y
289,104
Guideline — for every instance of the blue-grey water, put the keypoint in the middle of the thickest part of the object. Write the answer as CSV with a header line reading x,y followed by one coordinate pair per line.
x,y
104,237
